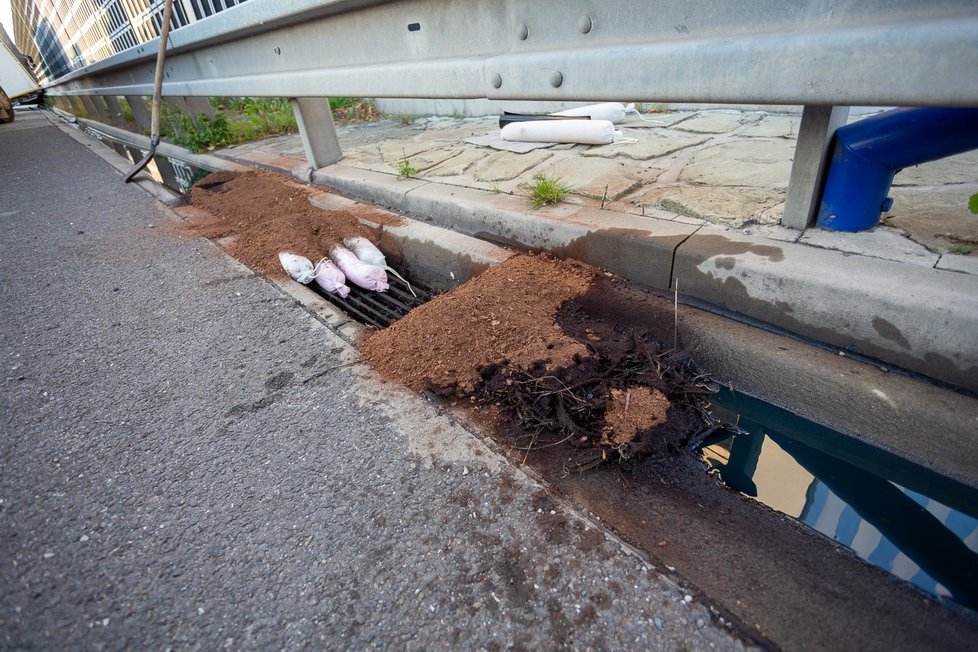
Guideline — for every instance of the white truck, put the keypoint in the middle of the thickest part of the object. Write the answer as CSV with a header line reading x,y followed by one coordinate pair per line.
x,y
16,80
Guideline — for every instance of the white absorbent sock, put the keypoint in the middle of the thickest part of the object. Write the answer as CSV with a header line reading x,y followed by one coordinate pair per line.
x,y
298,267
586,132
613,111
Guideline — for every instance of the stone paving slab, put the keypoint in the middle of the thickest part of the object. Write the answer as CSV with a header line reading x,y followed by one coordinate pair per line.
x,y
717,122
597,178
656,119
773,126
651,144
716,204
955,263
881,242
759,163
505,166
456,165
721,166
937,217
962,168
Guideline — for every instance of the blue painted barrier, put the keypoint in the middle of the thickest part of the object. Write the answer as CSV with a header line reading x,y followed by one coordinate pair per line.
x,y
870,152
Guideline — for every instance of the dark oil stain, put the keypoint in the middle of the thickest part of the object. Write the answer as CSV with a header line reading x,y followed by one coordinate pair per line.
x,y
428,260
511,567
888,331
717,245
279,380
247,408
633,253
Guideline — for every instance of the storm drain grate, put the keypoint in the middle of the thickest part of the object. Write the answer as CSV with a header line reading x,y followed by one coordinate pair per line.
x,y
379,309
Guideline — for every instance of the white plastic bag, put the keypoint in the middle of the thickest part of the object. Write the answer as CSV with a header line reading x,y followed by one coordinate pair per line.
x,y
366,251
613,112
587,132
330,278
369,277
298,267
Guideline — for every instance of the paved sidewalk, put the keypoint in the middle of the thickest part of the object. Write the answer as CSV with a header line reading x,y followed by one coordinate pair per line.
x,y
722,166
189,459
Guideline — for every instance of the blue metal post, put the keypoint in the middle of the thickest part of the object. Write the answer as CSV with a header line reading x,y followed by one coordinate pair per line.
x,y
869,153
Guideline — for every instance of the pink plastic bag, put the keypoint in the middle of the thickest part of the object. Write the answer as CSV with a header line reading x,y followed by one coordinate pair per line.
x,y
366,276
330,278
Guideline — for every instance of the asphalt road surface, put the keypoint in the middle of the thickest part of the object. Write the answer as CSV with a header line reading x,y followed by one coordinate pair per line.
x,y
189,459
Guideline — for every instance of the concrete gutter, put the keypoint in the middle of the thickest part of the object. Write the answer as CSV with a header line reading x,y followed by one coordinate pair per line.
x,y
920,319
808,380
894,409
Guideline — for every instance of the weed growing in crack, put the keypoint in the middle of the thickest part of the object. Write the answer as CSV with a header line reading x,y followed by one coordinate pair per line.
x,y
547,190
404,169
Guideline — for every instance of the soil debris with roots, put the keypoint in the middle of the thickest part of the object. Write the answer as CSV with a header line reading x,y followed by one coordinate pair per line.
x,y
523,343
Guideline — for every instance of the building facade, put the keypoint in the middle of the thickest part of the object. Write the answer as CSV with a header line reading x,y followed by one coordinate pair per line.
x,y
62,35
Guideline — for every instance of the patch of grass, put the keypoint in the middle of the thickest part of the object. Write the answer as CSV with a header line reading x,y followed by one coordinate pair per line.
x,y
547,190
244,119
961,249
205,134
404,170
973,204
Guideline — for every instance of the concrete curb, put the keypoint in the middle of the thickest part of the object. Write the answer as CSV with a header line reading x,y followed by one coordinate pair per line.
x,y
921,319
637,248
918,421
916,318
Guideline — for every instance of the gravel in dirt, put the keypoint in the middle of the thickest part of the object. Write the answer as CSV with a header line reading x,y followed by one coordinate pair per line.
x,y
262,213
506,315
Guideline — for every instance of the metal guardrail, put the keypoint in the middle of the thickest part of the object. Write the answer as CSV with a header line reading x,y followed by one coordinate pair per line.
x,y
823,54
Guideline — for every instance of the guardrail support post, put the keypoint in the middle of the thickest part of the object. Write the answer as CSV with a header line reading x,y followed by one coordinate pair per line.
x,y
818,125
91,109
193,107
169,175
115,111
318,132
75,106
139,111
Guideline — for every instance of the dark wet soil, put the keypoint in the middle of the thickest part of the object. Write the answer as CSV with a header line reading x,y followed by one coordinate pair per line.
x,y
781,582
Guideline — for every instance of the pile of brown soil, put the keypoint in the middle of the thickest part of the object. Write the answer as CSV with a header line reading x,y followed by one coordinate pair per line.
x,y
506,315
264,213
522,339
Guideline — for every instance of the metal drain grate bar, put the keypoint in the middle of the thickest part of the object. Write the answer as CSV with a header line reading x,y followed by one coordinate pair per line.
x,y
379,309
